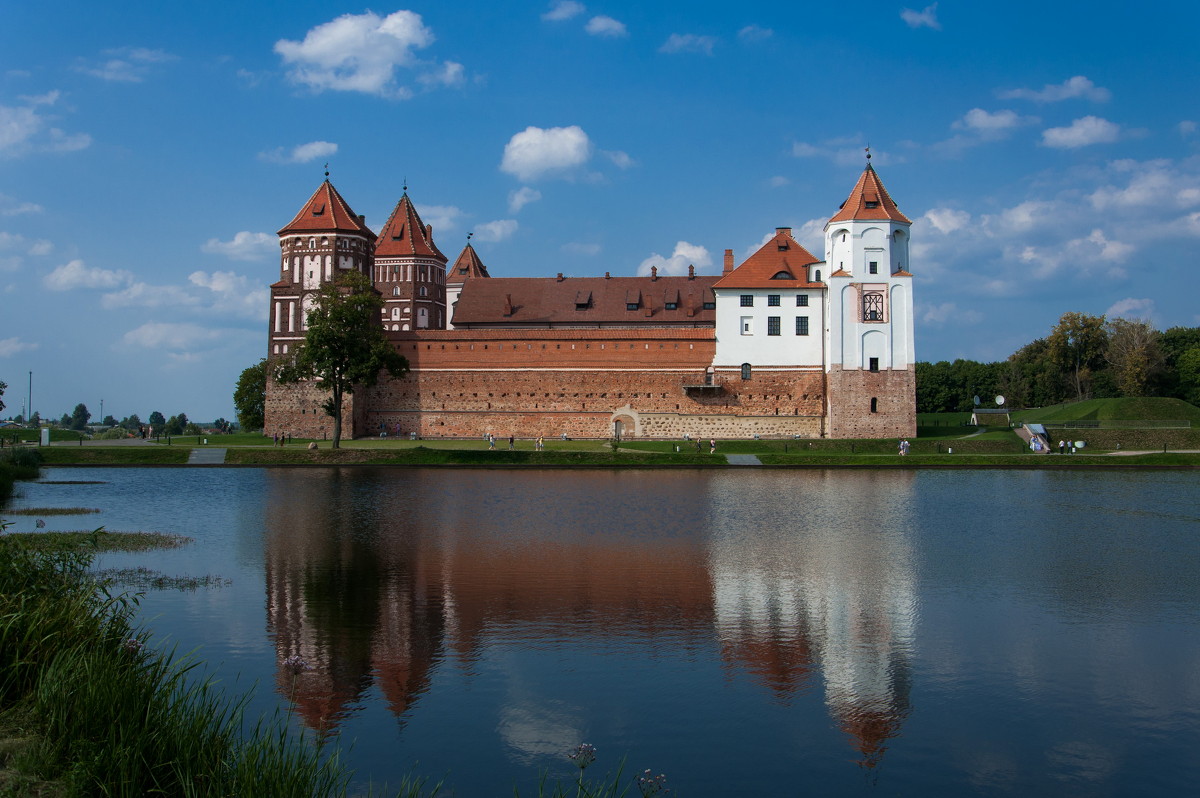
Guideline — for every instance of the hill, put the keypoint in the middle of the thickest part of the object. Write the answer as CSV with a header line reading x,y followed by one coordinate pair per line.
x,y
1153,409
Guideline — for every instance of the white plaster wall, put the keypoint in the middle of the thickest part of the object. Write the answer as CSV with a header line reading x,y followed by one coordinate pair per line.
x,y
759,349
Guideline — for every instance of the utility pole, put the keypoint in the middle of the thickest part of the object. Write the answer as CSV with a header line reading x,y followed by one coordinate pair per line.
x,y
30,398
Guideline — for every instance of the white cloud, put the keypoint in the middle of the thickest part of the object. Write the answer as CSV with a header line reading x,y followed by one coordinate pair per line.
x,y
540,152
144,295
440,217
20,242
75,274
11,346
450,73
521,197
1130,308
992,124
498,230
621,159
580,248
12,207
170,336
688,43
948,311
24,129
841,151
1082,132
1186,128
754,33
49,98
778,181
233,294
926,18
244,246
562,10
1151,183
357,52
1072,88
127,64
946,220
685,254
606,27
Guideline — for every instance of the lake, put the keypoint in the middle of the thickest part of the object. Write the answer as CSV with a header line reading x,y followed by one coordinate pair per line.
x,y
745,632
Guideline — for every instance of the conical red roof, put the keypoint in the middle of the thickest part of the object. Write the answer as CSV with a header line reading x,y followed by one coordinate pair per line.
x,y
467,266
404,235
869,200
325,212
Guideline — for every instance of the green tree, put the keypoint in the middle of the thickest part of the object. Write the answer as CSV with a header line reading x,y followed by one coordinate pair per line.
x,y
80,417
1174,343
221,425
157,420
344,346
3,386
1134,354
35,420
109,421
131,422
1188,370
1078,342
175,425
250,396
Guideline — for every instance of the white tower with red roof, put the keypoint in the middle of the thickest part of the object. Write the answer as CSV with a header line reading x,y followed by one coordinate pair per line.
x,y
410,272
871,388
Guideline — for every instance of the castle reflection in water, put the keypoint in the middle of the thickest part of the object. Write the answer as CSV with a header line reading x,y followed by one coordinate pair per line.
x,y
804,590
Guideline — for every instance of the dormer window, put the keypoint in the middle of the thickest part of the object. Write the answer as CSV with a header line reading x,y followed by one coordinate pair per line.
x,y
782,276
783,245
671,306
871,205
631,306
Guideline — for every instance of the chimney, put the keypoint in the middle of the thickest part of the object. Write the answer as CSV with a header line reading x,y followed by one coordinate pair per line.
x,y
728,261
653,273
362,219
429,232
560,277
607,276
508,306
649,305
691,272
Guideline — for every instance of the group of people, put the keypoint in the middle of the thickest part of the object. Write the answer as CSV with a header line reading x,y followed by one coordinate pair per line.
x,y
281,438
904,447
538,445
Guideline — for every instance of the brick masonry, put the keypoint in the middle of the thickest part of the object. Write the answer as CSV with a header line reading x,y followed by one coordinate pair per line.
x,y
850,407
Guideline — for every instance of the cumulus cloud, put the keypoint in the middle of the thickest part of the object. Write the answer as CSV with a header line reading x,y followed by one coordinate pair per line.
x,y
938,315
754,33
1186,128
992,124
1072,88
12,346
620,159
1130,308
76,274
170,336
450,73
15,241
946,220
1081,133
562,10
685,254
144,295
244,246
498,230
841,151
606,27
581,248
27,129
301,153
521,197
232,294
925,18
778,181
357,52
126,64
440,217
688,43
546,152
13,207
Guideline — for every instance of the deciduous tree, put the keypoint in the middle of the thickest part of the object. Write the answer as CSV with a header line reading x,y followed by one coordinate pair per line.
x,y
344,346
250,395
80,417
1078,342
1134,355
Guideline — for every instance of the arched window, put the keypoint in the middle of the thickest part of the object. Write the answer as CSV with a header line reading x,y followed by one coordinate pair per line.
x,y
817,279
783,276
396,313
424,291
745,371
396,291
874,405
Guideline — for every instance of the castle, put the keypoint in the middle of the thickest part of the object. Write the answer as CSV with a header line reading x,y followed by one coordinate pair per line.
x,y
783,345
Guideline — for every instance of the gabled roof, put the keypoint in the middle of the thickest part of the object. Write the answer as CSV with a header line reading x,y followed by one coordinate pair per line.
x,y
869,200
779,263
405,235
326,212
467,266
587,301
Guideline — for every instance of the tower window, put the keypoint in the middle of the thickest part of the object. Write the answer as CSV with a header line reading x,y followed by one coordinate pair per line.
x,y
873,267
870,204
745,371
872,306
873,365
818,277
747,300
874,404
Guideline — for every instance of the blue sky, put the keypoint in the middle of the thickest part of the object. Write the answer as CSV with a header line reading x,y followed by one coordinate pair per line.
x,y
1048,154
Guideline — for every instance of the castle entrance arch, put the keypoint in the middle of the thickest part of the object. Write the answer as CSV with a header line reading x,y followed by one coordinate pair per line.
x,y
623,425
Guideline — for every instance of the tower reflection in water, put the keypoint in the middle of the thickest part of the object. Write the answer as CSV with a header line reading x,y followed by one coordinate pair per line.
x,y
375,576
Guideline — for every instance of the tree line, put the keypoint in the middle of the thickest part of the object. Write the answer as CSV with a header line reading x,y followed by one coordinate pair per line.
x,y
1083,357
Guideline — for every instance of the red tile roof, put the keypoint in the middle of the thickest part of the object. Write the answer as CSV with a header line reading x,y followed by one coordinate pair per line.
x,y
523,301
869,200
467,266
404,235
326,212
780,263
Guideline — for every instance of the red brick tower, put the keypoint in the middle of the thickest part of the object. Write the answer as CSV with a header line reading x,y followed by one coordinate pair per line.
x,y
468,266
410,272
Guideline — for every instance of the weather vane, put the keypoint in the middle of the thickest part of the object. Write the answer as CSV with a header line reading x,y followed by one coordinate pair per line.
x,y
469,236
868,152
326,169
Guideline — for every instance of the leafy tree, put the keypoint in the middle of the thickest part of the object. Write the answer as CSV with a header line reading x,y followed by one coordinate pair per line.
x,y
65,421
1078,342
1188,370
192,428
19,418
80,417
344,346
1134,355
1175,343
3,386
157,420
250,395
35,420
109,421
175,425
131,422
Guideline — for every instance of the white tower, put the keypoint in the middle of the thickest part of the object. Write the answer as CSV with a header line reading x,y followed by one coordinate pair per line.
x,y
869,340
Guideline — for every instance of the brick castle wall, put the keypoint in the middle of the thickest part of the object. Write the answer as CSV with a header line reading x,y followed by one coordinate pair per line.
x,y
850,395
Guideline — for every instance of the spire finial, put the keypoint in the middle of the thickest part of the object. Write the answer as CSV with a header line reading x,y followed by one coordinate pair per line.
x,y
406,184
326,170
868,153
469,236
